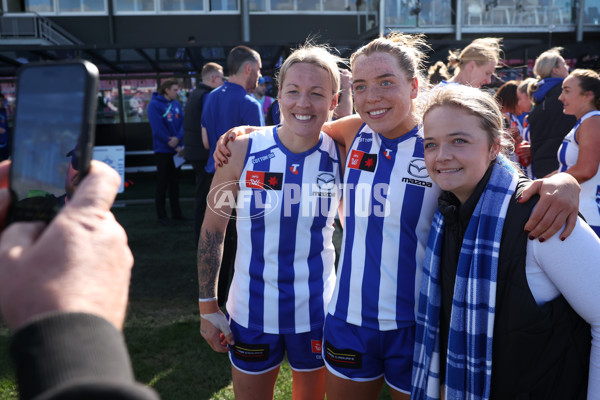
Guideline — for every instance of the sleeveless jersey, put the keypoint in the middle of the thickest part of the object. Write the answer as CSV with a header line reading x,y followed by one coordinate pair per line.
x,y
389,202
284,266
589,198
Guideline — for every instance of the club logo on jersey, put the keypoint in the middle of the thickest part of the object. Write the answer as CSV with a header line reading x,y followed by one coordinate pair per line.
x,y
417,168
363,161
317,346
264,180
342,358
251,352
388,153
294,169
598,197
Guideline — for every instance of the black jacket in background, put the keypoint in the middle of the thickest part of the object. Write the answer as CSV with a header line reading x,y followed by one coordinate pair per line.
x,y
548,126
72,356
193,149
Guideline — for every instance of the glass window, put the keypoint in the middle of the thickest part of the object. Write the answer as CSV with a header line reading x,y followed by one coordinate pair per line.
x,y
223,5
257,5
435,12
309,5
592,12
108,103
282,5
39,5
134,5
337,5
81,5
182,5
137,93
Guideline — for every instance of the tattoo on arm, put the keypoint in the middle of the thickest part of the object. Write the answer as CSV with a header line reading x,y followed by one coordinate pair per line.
x,y
210,251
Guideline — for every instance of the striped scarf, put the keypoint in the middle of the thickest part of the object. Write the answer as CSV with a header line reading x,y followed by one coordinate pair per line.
x,y
469,355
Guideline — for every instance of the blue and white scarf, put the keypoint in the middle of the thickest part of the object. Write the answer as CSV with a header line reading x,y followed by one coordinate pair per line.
x,y
469,356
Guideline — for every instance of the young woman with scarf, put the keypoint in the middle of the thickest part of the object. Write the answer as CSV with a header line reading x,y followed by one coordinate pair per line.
x,y
499,316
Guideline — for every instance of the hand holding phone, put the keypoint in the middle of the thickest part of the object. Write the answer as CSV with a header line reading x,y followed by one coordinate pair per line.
x,y
53,136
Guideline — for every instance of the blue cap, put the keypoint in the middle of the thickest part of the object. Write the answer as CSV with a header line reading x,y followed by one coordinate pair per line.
x,y
262,80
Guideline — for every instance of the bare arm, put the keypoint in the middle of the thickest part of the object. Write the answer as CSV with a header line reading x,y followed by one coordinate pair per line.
x,y
558,205
224,188
205,139
343,130
588,160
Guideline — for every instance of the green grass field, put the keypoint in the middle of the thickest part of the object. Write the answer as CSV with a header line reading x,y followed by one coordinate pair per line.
x,y
162,326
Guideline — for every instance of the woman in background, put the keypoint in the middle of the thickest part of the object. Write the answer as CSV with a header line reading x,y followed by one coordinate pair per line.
x,y
579,154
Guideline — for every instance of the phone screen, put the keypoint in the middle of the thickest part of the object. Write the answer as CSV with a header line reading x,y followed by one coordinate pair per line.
x,y
46,155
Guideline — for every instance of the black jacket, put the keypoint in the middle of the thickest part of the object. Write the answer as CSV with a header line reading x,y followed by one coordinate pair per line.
x,y
193,149
74,356
548,126
539,352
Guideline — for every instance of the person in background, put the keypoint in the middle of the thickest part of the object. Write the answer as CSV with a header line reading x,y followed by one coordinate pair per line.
x,y
579,153
475,64
166,120
508,98
63,294
194,151
437,73
548,125
499,316
260,94
345,104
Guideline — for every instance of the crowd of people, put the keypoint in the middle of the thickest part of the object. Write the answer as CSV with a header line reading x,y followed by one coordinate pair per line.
x,y
460,276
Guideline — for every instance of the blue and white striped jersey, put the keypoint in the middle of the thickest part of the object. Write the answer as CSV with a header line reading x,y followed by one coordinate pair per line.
x,y
589,197
284,268
389,202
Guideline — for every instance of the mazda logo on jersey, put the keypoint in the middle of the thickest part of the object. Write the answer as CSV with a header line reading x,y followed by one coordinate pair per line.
x,y
417,168
325,181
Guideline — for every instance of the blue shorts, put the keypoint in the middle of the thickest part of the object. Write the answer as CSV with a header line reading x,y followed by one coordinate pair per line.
x,y
256,352
363,354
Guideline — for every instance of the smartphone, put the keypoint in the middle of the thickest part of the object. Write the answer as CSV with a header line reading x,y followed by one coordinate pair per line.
x,y
53,136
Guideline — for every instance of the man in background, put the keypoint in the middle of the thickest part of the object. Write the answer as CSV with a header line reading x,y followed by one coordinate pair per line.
x,y
194,151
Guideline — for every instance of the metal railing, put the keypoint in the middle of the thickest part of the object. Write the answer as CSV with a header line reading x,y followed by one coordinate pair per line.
x,y
34,26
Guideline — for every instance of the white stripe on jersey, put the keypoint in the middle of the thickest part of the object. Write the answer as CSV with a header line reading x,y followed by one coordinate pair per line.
x,y
284,271
384,245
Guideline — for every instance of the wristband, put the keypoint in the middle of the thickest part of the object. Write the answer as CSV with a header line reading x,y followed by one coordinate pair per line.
x,y
207,300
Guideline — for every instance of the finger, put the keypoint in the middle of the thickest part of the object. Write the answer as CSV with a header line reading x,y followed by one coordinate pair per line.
x,y
229,338
569,226
98,189
535,224
557,223
529,191
20,236
4,173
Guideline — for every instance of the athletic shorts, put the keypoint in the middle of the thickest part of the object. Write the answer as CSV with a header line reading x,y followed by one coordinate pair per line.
x,y
256,352
363,354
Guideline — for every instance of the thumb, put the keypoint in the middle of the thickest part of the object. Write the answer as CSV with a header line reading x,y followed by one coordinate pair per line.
x,y
98,189
531,190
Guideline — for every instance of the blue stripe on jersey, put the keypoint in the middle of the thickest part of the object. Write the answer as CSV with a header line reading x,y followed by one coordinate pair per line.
x,y
315,261
562,157
349,229
287,242
411,211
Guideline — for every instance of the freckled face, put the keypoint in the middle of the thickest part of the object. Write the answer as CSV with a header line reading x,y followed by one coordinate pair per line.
x,y
383,94
457,150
